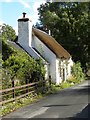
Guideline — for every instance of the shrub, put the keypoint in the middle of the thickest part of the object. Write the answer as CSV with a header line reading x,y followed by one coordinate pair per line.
x,y
77,71
72,80
19,65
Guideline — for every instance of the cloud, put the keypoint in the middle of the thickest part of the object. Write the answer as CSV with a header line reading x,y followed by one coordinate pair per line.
x,y
26,4
32,6
34,17
1,22
36,5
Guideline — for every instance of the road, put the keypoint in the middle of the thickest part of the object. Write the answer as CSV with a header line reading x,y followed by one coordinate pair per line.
x,y
68,103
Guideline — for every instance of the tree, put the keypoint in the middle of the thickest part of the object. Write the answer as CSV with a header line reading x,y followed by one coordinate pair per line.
x,y
70,26
6,50
8,32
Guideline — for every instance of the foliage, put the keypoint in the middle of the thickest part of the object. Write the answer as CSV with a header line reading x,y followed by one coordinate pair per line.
x,y
22,66
69,24
8,32
77,71
6,81
7,50
72,80
65,85
32,70
0,71
19,65
10,107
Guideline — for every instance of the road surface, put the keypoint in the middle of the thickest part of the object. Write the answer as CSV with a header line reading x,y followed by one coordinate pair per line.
x,y
68,103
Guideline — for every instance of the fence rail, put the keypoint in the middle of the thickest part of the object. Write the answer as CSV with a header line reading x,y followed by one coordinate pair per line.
x,y
23,90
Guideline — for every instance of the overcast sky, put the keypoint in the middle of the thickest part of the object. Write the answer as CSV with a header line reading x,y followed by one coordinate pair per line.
x,y
11,10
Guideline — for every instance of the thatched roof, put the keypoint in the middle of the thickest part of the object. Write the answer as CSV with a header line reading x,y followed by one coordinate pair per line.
x,y
51,43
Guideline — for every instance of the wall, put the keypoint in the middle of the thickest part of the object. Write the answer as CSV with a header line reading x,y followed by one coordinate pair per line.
x,y
58,78
47,54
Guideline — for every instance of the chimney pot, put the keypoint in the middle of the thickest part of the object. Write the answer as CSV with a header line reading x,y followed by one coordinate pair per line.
x,y
24,14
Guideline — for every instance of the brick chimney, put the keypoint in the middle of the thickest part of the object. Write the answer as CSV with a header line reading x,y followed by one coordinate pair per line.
x,y
24,31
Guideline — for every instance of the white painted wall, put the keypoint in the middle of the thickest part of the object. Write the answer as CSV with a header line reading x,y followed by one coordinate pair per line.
x,y
48,54
47,72
58,78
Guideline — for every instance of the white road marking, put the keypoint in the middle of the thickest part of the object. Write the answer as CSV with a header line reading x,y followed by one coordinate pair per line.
x,y
38,112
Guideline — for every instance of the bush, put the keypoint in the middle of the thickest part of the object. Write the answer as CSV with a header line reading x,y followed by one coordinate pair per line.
x,y
19,65
72,80
77,71
6,82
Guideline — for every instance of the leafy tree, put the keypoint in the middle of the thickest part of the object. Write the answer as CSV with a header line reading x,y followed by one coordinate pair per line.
x,y
6,50
70,25
8,32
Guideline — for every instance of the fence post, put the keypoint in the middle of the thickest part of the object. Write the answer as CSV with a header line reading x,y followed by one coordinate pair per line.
x,y
50,81
13,89
42,84
27,86
36,88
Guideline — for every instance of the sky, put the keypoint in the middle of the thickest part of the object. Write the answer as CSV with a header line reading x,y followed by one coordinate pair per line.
x,y
11,11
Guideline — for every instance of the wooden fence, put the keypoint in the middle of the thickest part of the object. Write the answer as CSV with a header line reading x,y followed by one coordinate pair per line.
x,y
18,92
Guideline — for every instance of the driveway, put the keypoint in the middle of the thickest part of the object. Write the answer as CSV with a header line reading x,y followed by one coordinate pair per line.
x,y
68,103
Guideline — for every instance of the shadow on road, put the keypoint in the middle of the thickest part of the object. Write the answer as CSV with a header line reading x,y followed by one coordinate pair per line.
x,y
84,90
85,113
55,105
63,105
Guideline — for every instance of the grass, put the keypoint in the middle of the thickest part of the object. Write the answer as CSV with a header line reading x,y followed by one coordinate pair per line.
x,y
12,106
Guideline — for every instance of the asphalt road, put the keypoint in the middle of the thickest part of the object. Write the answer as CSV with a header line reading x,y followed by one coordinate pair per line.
x,y
68,103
